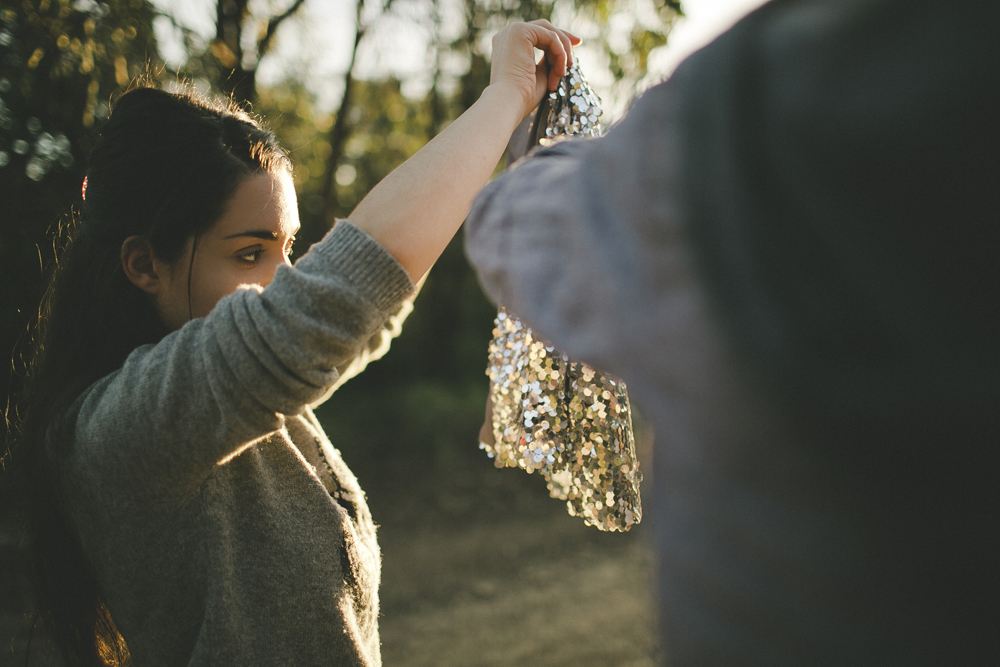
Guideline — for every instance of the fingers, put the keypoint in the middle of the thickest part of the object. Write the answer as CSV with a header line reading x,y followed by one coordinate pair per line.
x,y
558,47
566,38
514,60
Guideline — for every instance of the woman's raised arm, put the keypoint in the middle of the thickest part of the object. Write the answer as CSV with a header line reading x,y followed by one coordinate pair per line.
x,y
416,210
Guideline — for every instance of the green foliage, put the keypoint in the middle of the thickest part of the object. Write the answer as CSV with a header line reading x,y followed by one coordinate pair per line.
x,y
61,63
628,60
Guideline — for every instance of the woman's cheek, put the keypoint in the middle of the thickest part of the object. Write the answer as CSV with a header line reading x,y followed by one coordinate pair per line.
x,y
267,275
219,285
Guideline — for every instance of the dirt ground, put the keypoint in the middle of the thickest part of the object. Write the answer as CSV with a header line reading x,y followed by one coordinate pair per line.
x,y
523,586
480,567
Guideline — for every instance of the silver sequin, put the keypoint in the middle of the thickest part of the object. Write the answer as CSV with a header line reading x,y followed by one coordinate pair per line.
x,y
574,109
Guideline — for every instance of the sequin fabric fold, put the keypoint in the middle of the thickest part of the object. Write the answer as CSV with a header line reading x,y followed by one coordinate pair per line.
x,y
562,418
574,109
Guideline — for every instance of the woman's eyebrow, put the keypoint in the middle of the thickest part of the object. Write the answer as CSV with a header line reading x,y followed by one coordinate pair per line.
x,y
257,234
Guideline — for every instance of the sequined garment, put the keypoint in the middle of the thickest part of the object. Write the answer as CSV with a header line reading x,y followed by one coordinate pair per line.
x,y
574,109
564,419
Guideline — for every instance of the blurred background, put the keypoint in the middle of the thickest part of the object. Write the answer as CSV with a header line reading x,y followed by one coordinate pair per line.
x,y
480,566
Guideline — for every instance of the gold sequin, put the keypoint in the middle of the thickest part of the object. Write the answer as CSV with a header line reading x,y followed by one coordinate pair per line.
x,y
576,432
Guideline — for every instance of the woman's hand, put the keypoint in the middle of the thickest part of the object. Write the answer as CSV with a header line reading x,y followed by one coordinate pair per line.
x,y
514,65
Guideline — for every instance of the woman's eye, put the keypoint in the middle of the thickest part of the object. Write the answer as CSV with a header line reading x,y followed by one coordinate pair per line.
x,y
250,257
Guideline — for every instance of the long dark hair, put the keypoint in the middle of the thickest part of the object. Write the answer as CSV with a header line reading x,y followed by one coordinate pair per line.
x,y
163,168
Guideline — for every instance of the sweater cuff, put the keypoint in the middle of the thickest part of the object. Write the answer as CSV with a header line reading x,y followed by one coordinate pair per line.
x,y
363,262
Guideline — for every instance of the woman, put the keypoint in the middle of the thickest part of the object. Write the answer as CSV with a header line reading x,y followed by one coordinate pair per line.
x,y
187,507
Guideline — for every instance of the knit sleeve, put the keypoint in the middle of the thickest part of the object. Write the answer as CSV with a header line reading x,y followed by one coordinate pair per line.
x,y
375,348
209,390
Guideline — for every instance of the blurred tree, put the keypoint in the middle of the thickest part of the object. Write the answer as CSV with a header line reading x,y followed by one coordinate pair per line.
x,y
628,61
241,81
225,62
342,126
434,378
61,63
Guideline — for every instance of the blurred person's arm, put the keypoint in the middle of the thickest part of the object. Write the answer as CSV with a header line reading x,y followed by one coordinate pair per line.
x,y
583,241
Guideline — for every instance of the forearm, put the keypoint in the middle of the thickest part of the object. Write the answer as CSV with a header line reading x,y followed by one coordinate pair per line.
x,y
416,210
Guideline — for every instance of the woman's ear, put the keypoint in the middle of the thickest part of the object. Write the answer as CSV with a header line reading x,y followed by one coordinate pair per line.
x,y
138,264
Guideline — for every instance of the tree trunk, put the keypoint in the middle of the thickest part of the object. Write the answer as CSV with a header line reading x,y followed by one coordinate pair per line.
x,y
340,131
437,103
238,83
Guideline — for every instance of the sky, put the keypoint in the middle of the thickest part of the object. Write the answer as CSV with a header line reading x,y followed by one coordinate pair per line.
x,y
314,46
703,21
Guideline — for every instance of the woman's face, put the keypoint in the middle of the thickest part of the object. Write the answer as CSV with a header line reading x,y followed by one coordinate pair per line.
x,y
244,247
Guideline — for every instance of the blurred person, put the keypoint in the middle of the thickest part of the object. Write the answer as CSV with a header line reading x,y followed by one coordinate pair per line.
x,y
789,253
184,504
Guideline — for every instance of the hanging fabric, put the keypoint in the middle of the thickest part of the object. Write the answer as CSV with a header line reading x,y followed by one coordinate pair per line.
x,y
564,419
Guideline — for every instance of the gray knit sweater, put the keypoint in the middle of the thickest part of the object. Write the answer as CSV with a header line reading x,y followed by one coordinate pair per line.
x,y
223,526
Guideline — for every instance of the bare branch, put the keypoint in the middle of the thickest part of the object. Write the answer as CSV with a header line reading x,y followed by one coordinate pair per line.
x,y
340,130
272,27
190,36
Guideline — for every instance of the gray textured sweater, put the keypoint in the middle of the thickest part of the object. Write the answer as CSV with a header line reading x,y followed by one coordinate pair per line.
x,y
199,481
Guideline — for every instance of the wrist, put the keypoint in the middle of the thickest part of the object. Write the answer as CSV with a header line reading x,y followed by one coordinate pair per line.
x,y
508,101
